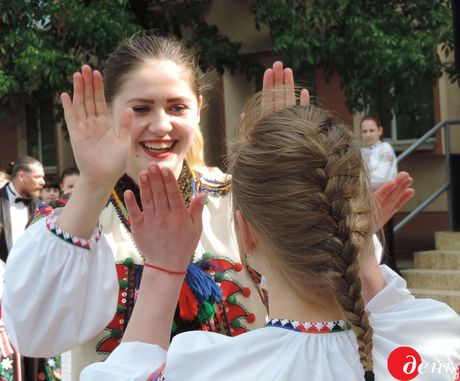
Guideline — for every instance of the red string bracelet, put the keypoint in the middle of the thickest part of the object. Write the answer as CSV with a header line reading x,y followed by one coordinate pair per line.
x,y
170,272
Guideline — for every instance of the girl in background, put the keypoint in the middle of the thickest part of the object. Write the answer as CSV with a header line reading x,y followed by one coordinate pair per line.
x,y
379,155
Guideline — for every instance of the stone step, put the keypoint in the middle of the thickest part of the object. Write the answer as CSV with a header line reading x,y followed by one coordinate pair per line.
x,y
447,240
437,259
452,298
432,279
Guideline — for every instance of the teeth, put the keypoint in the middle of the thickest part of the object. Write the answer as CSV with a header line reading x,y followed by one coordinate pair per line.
x,y
159,145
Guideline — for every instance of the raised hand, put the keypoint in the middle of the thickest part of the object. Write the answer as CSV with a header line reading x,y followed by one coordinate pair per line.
x,y
100,153
278,89
165,232
391,197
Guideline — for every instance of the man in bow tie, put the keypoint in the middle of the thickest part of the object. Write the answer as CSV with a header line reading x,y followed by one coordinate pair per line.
x,y
18,200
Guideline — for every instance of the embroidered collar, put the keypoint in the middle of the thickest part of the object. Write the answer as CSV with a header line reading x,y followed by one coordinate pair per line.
x,y
186,183
309,327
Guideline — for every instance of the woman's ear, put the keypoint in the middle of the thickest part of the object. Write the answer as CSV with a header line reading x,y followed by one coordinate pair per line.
x,y
200,104
246,234
380,131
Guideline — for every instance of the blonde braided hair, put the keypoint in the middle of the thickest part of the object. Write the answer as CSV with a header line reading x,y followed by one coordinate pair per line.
x,y
299,179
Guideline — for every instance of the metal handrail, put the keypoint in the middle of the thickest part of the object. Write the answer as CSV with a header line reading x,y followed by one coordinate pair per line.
x,y
446,186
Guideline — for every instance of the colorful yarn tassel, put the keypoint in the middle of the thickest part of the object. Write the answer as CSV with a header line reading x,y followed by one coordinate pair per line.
x,y
201,283
188,305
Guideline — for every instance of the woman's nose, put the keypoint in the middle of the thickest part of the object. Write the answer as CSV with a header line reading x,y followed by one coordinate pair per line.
x,y
160,123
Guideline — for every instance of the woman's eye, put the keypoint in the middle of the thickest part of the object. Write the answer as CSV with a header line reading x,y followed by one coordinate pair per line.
x,y
177,108
140,109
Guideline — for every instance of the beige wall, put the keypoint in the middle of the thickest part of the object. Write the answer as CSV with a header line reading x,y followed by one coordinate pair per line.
x,y
449,99
236,92
64,151
429,173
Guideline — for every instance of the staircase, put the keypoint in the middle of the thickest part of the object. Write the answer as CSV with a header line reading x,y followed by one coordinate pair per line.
x,y
436,273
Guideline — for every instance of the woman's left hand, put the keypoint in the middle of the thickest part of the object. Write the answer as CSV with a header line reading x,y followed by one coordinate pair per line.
x,y
166,232
391,197
279,90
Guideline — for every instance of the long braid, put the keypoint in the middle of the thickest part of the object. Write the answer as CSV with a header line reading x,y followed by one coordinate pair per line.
x,y
344,179
302,169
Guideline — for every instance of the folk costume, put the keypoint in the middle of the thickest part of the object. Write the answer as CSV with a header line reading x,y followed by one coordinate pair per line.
x,y
87,288
296,351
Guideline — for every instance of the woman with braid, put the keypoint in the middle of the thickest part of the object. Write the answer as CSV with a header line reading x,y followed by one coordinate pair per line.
x,y
303,216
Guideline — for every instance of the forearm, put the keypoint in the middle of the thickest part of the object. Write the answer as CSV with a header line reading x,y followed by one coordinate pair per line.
x,y
153,313
372,279
84,207
48,315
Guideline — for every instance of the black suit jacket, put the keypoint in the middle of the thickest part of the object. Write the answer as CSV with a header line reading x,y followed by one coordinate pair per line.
x,y
6,240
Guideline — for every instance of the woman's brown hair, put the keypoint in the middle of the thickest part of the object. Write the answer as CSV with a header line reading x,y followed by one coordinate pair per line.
x,y
140,48
299,179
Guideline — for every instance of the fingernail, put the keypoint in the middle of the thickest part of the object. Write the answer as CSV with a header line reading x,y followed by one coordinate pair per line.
x,y
144,178
165,172
128,196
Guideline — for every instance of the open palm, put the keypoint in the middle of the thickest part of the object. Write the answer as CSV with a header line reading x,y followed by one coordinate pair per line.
x,y
100,153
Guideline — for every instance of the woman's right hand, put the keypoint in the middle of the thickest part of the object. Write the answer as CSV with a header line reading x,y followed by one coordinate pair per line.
x,y
100,153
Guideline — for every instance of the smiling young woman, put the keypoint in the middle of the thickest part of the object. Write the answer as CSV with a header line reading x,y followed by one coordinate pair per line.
x,y
146,111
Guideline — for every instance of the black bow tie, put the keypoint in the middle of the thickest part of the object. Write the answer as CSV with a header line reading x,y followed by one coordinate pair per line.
x,y
25,201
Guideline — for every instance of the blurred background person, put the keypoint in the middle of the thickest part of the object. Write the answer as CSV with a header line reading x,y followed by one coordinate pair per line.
x,y
69,177
51,191
18,199
381,162
379,155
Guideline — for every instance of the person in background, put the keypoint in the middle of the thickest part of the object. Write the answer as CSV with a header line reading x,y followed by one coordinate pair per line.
x,y
51,191
381,161
379,155
18,200
303,214
69,178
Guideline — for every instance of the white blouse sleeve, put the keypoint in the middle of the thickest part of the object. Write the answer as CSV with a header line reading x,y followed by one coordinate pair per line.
x,y
398,319
133,361
57,294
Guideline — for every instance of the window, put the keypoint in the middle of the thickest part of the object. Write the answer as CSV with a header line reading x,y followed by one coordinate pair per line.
x,y
408,127
41,141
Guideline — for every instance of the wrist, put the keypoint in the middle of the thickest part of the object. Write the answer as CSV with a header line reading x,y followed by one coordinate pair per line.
x,y
102,188
165,270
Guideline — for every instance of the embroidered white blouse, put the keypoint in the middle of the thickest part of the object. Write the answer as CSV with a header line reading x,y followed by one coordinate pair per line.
x,y
59,296
282,352
381,160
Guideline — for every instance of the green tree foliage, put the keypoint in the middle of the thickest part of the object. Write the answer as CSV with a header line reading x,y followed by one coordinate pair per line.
x,y
44,41
380,49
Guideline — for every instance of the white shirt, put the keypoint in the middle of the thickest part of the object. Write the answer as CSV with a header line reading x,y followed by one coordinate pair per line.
x,y
381,161
19,213
283,354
